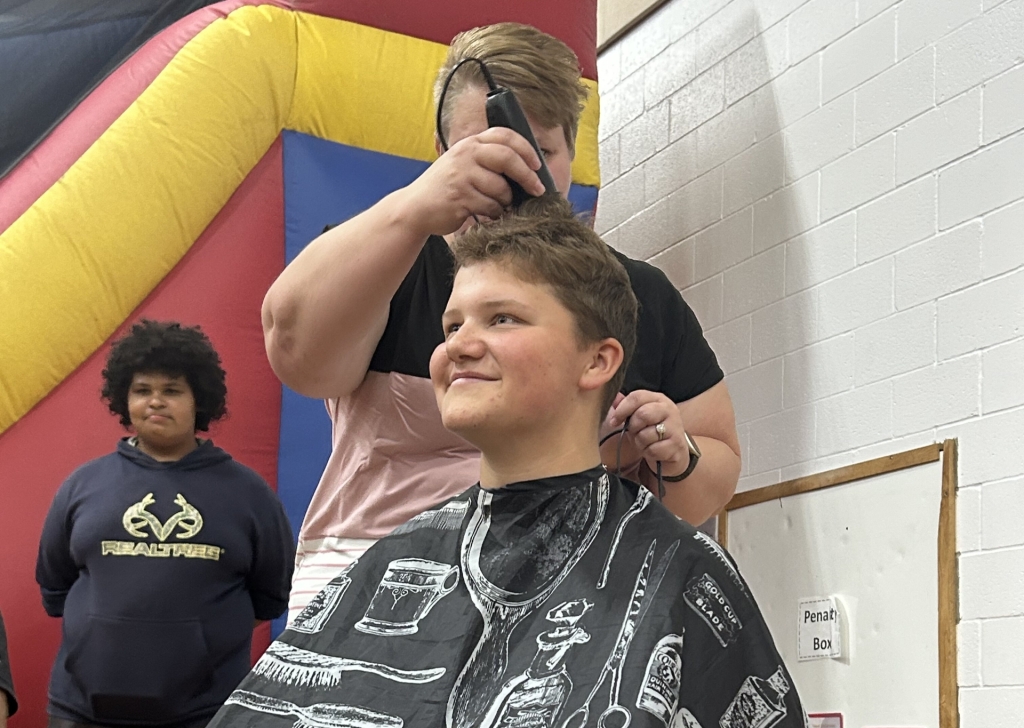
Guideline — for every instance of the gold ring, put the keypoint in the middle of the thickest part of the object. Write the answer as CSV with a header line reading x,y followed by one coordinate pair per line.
x,y
660,429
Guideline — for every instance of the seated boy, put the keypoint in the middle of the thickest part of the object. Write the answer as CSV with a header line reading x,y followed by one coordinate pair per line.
x,y
552,593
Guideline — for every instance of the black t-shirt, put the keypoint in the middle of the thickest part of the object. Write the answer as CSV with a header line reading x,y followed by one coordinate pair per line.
x,y
6,683
671,357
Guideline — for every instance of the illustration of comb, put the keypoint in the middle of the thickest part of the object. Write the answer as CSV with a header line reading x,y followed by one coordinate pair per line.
x,y
302,668
319,715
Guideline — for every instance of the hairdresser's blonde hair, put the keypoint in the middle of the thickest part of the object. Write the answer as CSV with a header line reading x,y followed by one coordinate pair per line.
x,y
543,72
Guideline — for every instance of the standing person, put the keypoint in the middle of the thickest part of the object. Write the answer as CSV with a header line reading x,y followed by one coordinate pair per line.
x,y
8,703
552,594
355,317
162,555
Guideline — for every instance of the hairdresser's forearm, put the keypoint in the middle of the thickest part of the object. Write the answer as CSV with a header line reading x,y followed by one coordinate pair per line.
x,y
705,491
323,316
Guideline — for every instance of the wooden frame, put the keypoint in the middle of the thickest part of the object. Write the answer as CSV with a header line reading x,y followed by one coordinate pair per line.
x,y
949,578
615,18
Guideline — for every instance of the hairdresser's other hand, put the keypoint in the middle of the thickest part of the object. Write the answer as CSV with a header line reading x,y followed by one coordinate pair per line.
x,y
645,411
467,180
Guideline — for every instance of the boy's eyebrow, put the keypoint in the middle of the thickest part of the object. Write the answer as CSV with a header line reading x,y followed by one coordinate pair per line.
x,y
491,304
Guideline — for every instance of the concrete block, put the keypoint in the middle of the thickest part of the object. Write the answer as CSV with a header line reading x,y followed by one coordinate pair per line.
x,y
726,135
820,137
1002,249
861,54
897,344
980,50
818,371
755,283
787,213
781,439
821,253
795,94
987,314
698,101
620,200
731,344
817,24
623,103
670,169
897,220
984,181
946,263
939,136
641,138
1001,507
986,585
991,707
723,244
990,448
677,263
754,174
855,299
862,175
724,32
1000,651
670,70
923,22
1004,110
896,96
1002,378
937,395
705,298
854,419
785,326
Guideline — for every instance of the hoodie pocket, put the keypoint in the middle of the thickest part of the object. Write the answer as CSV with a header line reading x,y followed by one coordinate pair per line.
x,y
139,670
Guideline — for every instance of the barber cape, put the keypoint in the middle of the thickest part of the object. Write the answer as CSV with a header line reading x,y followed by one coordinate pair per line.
x,y
565,602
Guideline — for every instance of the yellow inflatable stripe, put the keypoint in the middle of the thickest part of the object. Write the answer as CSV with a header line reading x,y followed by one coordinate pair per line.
x,y
90,250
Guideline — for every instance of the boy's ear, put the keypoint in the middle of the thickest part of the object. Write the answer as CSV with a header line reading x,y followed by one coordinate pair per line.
x,y
606,358
438,149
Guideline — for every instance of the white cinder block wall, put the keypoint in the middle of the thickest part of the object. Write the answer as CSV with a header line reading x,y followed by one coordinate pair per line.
x,y
837,187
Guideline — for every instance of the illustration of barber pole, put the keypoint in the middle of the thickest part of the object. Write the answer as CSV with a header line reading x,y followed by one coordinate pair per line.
x,y
408,591
659,692
315,615
758,704
535,699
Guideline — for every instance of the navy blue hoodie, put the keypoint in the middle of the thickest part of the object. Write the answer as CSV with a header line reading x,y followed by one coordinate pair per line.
x,y
159,570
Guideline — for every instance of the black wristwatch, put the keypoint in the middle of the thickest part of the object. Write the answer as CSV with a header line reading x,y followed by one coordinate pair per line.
x,y
694,457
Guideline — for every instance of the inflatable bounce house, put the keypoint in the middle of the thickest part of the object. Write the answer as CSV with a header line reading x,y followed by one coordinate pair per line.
x,y
170,168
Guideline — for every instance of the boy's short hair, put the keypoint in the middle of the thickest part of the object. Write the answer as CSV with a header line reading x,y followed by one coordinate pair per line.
x,y
168,348
543,242
543,72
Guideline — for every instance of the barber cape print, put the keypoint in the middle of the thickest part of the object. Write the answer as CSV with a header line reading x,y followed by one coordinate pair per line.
x,y
558,603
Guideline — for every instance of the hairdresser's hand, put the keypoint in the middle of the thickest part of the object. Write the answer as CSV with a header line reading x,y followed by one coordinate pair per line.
x,y
646,410
467,180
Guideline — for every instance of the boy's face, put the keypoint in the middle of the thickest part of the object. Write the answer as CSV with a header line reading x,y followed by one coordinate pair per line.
x,y
469,117
511,358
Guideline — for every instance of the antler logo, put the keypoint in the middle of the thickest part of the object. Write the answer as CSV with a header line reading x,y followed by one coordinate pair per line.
x,y
188,519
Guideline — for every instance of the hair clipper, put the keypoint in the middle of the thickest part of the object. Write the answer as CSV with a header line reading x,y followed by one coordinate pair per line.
x,y
503,109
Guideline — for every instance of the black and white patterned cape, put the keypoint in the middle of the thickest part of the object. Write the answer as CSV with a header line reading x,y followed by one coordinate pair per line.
x,y
565,602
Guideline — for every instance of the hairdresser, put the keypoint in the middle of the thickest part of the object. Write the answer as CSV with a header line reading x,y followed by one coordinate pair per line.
x,y
355,317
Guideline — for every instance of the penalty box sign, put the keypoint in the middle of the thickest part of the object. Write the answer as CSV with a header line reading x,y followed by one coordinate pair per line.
x,y
819,630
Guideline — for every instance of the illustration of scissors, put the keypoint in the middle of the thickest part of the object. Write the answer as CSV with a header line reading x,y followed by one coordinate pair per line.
x,y
639,603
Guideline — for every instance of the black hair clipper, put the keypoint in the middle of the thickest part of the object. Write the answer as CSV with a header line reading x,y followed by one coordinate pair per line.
x,y
503,109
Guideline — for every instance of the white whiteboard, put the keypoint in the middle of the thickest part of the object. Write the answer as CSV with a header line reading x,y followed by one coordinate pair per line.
x,y
872,542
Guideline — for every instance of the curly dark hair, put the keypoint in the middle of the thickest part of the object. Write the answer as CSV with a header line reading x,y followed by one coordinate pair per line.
x,y
166,347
